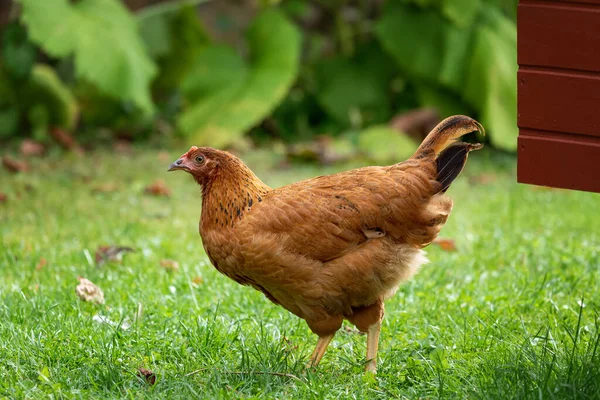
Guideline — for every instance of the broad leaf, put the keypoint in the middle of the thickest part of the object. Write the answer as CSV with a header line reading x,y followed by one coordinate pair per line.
x,y
461,12
477,63
174,39
492,79
424,44
18,53
49,103
356,91
227,96
102,36
386,145
444,101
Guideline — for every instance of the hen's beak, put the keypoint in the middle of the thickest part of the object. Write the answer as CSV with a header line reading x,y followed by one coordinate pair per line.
x,y
179,165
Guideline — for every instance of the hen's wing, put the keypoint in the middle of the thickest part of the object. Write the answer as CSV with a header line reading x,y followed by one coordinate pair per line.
x,y
326,217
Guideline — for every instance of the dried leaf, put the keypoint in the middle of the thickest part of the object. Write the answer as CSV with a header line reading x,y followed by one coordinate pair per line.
x,y
198,280
416,123
482,179
109,187
147,375
545,188
65,139
123,147
111,253
170,265
324,149
87,291
31,148
164,157
289,345
445,244
158,188
3,197
41,264
14,165
352,330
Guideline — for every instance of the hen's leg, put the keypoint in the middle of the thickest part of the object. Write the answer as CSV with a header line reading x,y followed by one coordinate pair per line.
x,y
326,329
368,319
372,344
322,344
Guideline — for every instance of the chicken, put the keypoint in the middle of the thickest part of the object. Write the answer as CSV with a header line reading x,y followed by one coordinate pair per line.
x,y
332,247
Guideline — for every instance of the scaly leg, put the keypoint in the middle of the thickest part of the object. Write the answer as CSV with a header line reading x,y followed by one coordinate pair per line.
x,y
372,344
322,344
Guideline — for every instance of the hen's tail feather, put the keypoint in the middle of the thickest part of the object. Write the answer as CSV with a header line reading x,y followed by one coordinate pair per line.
x,y
446,133
451,162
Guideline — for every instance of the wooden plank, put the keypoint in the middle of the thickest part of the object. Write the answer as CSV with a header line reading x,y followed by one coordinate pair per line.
x,y
559,101
559,34
570,1
557,160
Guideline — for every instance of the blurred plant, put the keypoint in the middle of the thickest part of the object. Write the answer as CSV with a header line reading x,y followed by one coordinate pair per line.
x,y
103,38
463,47
228,96
357,66
31,92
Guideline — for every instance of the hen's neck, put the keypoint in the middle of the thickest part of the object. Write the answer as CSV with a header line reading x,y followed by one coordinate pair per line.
x,y
232,193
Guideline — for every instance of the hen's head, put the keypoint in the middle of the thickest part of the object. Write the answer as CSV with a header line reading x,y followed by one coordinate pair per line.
x,y
200,162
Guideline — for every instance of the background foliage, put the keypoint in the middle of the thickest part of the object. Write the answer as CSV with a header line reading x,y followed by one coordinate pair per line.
x,y
220,73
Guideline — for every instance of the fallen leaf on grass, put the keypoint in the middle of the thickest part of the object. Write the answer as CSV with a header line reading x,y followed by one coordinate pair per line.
x,y
445,244
416,123
289,345
87,291
158,188
352,331
169,265
3,198
105,188
482,179
545,188
31,148
123,147
111,253
147,375
197,280
41,264
14,165
65,139
164,157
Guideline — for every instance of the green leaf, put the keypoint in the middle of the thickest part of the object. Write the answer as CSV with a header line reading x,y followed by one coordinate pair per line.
x,y
386,145
9,121
492,79
44,375
477,63
444,101
48,100
424,44
18,53
461,12
102,36
226,96
355,90
175,39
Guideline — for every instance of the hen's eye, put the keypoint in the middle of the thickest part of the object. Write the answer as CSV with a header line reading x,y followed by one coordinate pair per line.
x,y
199,159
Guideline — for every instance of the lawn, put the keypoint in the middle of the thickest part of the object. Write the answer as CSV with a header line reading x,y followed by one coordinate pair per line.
x,y
514,312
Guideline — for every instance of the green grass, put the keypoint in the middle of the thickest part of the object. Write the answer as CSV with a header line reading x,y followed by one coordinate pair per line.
x,y
500,318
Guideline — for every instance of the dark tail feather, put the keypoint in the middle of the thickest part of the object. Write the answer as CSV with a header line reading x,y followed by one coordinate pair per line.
x,y
452,161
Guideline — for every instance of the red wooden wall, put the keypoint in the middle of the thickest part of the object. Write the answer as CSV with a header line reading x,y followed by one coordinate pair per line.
x,y
559,93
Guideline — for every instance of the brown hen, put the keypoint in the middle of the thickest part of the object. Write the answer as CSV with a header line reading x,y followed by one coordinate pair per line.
x,y
333,247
